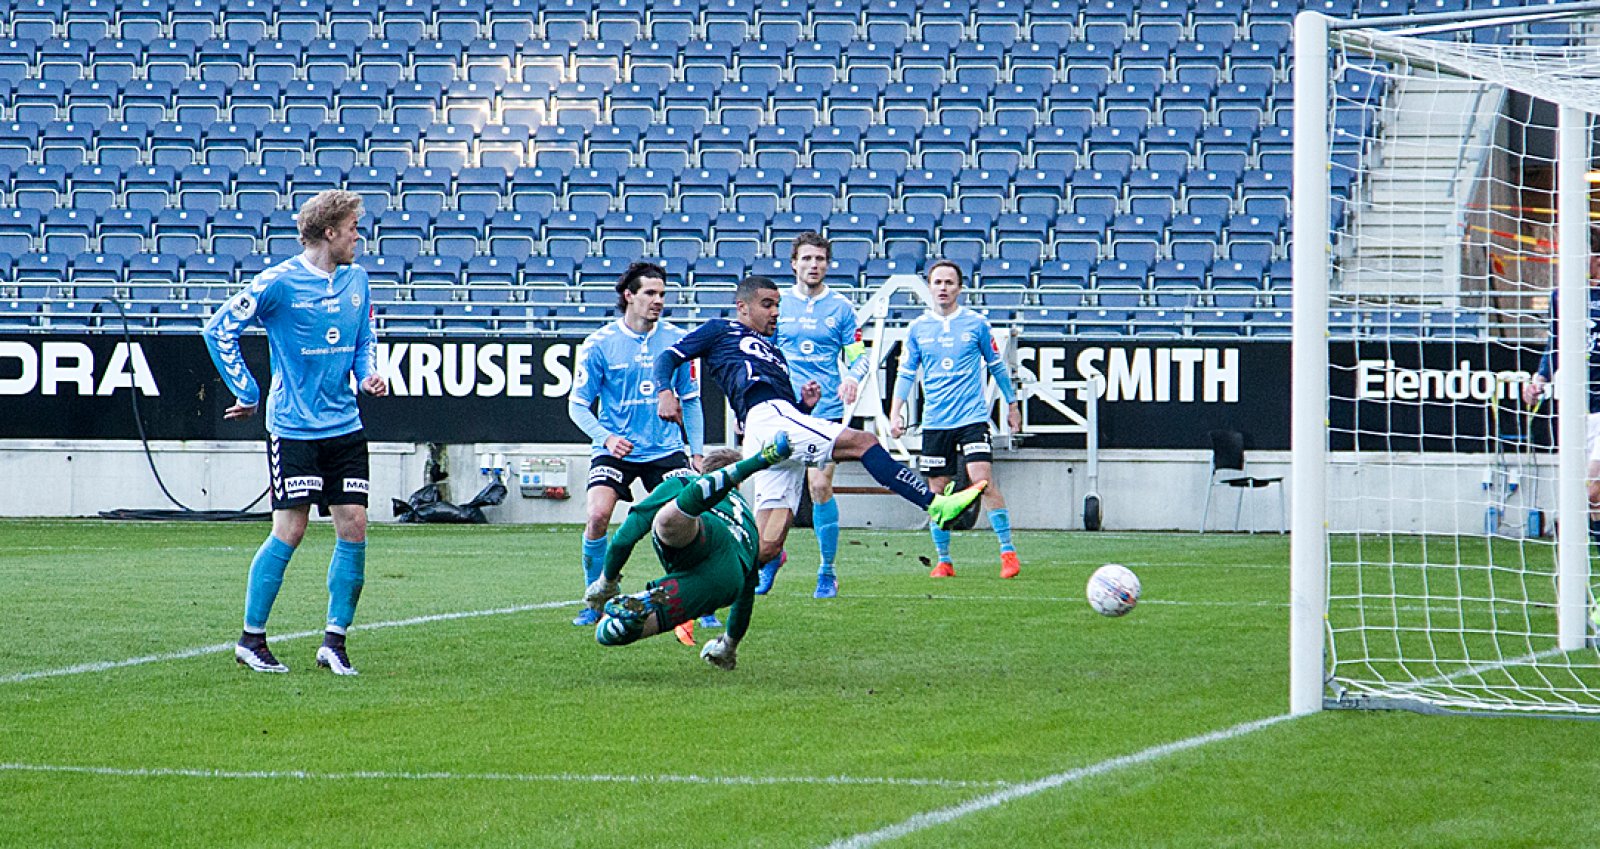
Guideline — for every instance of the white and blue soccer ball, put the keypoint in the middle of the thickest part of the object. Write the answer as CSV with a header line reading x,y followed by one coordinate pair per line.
x,y
1113,590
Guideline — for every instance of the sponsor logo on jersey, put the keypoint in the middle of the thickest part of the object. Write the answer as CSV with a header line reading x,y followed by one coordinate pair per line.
x,y
647,388
332,336
243,306
807,347
947,364
757,348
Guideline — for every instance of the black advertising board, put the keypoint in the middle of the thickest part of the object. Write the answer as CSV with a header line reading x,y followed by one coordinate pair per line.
x,y
1406,396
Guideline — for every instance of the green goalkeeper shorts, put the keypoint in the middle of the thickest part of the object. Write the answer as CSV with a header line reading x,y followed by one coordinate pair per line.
x,y
703,576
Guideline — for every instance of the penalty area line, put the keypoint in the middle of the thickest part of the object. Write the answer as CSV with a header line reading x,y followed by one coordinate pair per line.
x,y
218,648
528,778
1014,792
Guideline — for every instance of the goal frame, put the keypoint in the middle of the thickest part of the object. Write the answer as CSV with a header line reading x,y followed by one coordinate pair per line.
x,y
1312,271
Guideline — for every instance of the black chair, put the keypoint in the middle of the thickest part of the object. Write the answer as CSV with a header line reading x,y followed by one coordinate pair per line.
x,y
1227,469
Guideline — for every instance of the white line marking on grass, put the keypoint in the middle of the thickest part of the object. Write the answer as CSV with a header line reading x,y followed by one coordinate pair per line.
x,y
217,648
1053,599
1018,791
553,778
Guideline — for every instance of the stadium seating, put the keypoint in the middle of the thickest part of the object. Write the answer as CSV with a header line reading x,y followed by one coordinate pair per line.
x,y
1121,165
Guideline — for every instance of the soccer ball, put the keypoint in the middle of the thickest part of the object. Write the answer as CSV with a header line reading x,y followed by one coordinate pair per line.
x,y
1113,590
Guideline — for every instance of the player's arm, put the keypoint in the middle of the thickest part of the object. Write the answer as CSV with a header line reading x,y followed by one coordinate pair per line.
x,y
1001,374
855,357
739,612
365,366
580,403
690,347
634,528
722,652
694,422
910,361
222,333
1533,390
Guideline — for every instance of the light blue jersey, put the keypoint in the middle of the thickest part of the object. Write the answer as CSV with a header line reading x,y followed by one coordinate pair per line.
x,y
813,333
953,352
615,367
319,329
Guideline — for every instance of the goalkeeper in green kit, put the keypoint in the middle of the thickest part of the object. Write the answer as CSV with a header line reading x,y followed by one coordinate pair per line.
x,y
704,534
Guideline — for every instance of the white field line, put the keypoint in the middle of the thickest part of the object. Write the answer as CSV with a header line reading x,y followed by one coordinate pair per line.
x,y
217,648
530,778
1014,792
1163,602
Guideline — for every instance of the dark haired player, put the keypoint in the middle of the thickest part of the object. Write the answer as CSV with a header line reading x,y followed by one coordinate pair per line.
x,y
740,357
628,442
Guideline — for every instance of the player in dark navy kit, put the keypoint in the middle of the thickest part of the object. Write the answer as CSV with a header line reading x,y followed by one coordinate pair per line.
x,y
1533,391
317,311
740,357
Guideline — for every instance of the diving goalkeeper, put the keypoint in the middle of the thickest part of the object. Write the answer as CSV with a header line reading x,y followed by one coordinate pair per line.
x,y
704,534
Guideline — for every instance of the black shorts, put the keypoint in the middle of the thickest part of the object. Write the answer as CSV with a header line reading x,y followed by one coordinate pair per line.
x,y
318,471
620,473
941,448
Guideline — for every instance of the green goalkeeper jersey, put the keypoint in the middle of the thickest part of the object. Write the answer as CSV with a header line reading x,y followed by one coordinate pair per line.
x,y
719,565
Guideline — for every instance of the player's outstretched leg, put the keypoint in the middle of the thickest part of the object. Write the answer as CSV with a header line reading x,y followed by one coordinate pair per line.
x,y
948,506
712,487
943,509
626,616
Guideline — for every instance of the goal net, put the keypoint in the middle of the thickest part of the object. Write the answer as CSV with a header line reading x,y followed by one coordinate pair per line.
x,y
1445,166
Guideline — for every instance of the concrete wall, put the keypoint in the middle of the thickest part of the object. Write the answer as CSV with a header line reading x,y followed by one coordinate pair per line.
x,y
1143,490
1140,490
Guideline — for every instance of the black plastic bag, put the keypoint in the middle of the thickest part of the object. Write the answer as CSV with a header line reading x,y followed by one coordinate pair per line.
x,y
425,507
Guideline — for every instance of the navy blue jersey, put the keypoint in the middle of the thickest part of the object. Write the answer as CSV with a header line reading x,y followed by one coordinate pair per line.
x,y
748,366
1547,363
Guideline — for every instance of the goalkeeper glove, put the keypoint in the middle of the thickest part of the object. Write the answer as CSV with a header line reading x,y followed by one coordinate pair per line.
x,y
720,652
600,592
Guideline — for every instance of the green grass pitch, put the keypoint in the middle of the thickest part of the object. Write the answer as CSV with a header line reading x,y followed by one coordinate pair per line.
x,y
907,712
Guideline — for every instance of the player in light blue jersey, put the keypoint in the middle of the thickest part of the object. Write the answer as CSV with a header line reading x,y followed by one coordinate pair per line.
x,y
816,329
628,441
317,311
952,346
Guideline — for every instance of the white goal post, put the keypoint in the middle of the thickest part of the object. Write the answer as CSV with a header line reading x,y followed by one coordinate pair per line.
x,y
1442,200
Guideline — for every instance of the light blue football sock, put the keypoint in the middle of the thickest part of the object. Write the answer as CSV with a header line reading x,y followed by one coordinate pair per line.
x,y
347,573
1000,520
825,520
941,541
266,576
594,559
